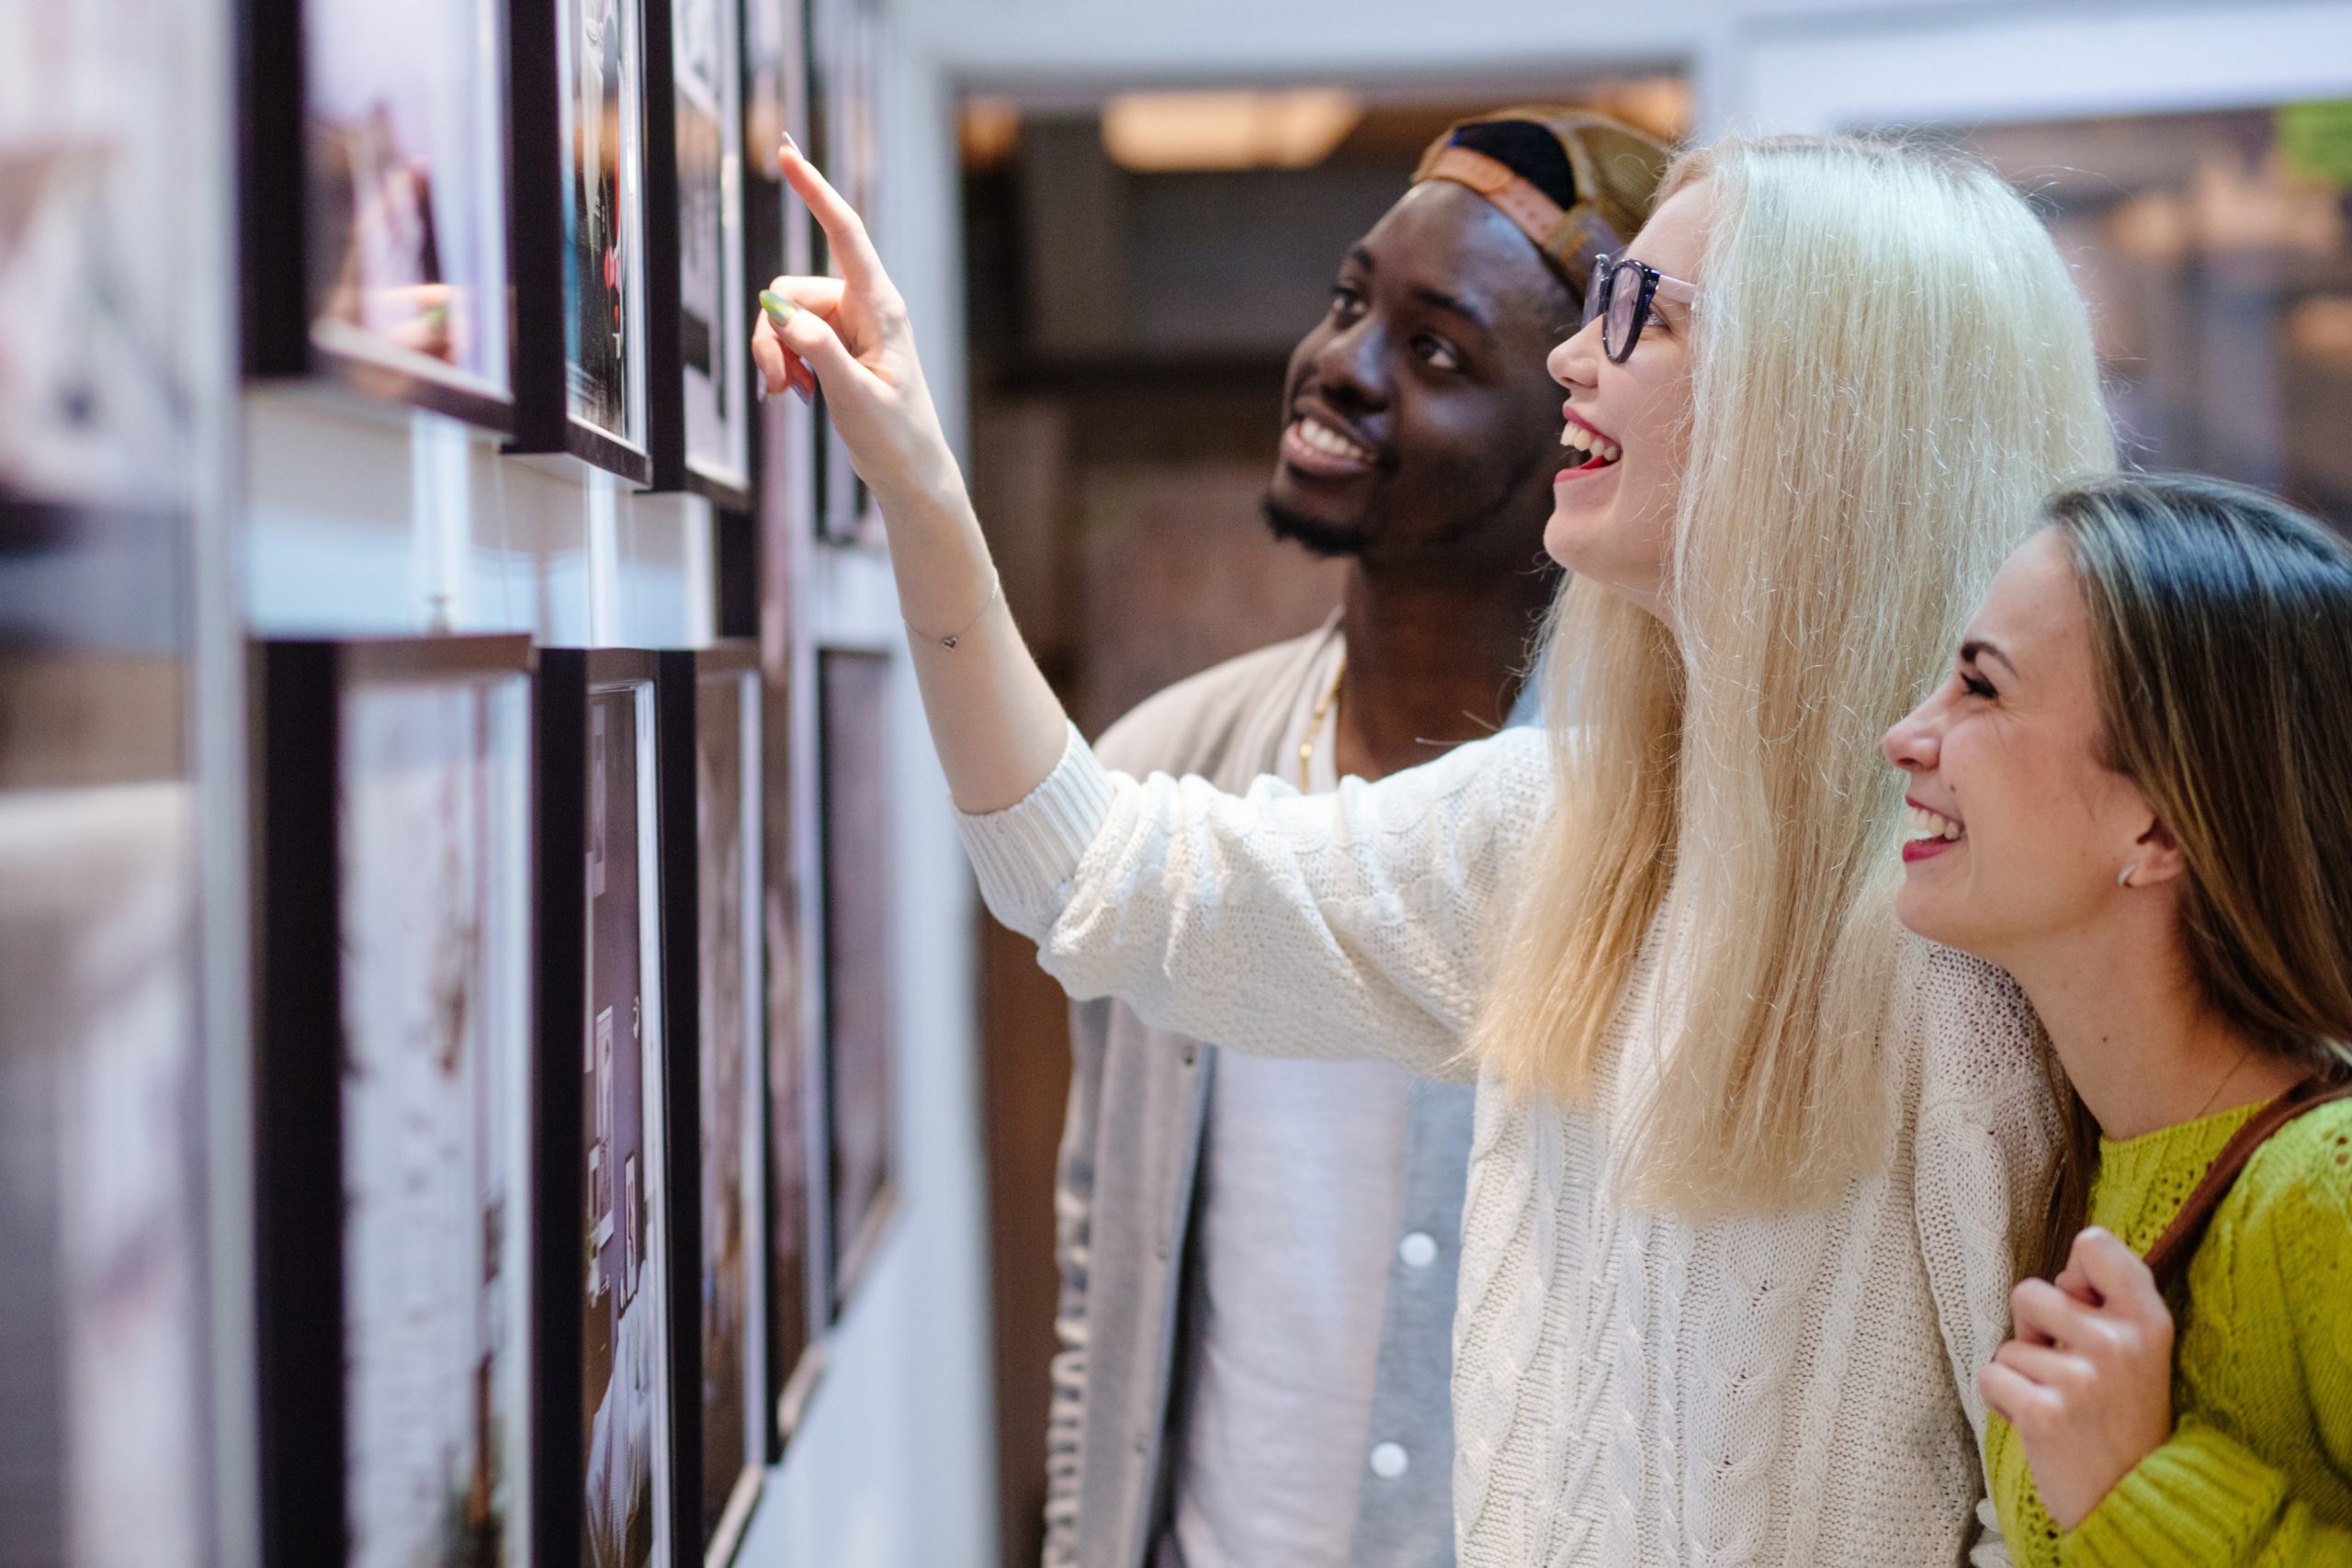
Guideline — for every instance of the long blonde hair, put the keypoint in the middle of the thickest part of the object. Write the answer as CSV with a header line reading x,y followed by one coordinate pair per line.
x,y
1890,368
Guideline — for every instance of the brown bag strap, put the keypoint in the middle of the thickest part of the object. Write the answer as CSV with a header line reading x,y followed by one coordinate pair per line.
x,y
2169,1259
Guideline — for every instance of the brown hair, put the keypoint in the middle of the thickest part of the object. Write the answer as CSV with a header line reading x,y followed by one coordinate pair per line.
x,y
2221,623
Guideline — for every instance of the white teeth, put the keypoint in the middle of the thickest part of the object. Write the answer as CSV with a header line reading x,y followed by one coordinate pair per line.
x,y
1920,823
1323,438
1577,437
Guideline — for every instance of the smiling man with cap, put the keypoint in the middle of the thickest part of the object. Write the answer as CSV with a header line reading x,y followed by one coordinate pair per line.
x,y
1258,1256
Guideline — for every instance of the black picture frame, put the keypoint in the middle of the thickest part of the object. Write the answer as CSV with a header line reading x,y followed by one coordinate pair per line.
x,y
583,776
799,1294
332,1092
348,246
713,767
701,331
842,43
859,1069
551,316
106,1311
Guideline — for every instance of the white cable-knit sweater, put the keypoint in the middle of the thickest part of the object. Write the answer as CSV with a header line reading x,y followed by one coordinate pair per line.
x,y
1629,1388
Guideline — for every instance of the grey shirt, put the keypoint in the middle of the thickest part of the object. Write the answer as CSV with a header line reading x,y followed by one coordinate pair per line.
x,y
1138,1469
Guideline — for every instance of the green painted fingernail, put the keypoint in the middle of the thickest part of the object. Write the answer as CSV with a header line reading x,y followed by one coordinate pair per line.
x,y
779,308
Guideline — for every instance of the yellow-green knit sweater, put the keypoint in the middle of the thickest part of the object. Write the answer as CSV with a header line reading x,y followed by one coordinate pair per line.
x,y
2259,1470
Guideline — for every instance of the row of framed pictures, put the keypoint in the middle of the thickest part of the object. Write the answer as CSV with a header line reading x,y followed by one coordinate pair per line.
x,y
547,217
559,1158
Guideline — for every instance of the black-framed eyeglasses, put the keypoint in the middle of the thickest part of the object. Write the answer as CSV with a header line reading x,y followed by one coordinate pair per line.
x,y
1620,295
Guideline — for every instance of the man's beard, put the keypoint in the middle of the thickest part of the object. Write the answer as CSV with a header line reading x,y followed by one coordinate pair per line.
x,y
1331,541
1360,538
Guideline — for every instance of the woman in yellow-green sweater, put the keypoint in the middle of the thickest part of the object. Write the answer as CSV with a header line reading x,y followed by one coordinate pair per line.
x,y
2134,793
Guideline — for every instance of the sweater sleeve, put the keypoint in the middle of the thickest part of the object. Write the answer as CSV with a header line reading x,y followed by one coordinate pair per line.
x,y
1985,1143
1334,925
2203,1499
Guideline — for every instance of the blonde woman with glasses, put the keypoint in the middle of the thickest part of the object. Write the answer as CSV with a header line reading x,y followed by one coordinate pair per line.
x,y
1749,1166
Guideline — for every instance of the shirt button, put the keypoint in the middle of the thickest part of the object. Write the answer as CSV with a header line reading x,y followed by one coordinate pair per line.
x,y
1389,1460
1419,1250
1190,1052
1161,1248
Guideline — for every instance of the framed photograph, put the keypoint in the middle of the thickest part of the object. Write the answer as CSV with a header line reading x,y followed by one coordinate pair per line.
x,y
753,544
714,914
844,118
702,332
609,1052
98,388
397,1047
580,159
776,104
105,1311
854,689
375,199
795,1110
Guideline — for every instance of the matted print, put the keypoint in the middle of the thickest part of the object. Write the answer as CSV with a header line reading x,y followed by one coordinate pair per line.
x,y
854,719
405,196
601,108
728,886
844,121
626,1403
434,830
397,1035
714,348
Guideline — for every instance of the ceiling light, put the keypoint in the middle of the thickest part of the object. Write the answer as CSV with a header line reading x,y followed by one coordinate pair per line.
x,y
1163,132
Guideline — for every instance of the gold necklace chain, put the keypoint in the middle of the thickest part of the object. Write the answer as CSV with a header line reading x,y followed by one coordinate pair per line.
x,y
1315,725
2244,1057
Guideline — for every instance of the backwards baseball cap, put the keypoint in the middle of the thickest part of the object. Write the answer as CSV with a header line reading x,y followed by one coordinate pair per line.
x,y
1576,183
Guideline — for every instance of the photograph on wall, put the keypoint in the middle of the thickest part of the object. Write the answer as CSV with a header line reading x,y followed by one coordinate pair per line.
x,y
846,42
105,1412
727,900
713,344
601,102
435,853
775,45
787,883
406,198
624,1375
97,382
853,715
790,1104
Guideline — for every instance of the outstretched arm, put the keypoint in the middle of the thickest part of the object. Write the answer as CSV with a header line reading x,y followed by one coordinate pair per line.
x,y
1348,925
997,724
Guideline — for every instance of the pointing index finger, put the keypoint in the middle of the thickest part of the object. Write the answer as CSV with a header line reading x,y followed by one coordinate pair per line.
x,y
845,230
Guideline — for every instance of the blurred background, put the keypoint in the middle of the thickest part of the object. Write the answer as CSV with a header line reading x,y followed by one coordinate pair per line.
x,y
1112,222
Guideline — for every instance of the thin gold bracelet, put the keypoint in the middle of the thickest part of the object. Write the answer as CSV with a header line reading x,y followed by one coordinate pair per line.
x,y
996,592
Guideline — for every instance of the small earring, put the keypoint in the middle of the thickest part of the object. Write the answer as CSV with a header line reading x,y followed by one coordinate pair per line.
x,y
2123,877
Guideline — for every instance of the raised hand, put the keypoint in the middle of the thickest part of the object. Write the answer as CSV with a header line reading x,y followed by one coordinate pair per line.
x,y
2088,1380
999,727
852,334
